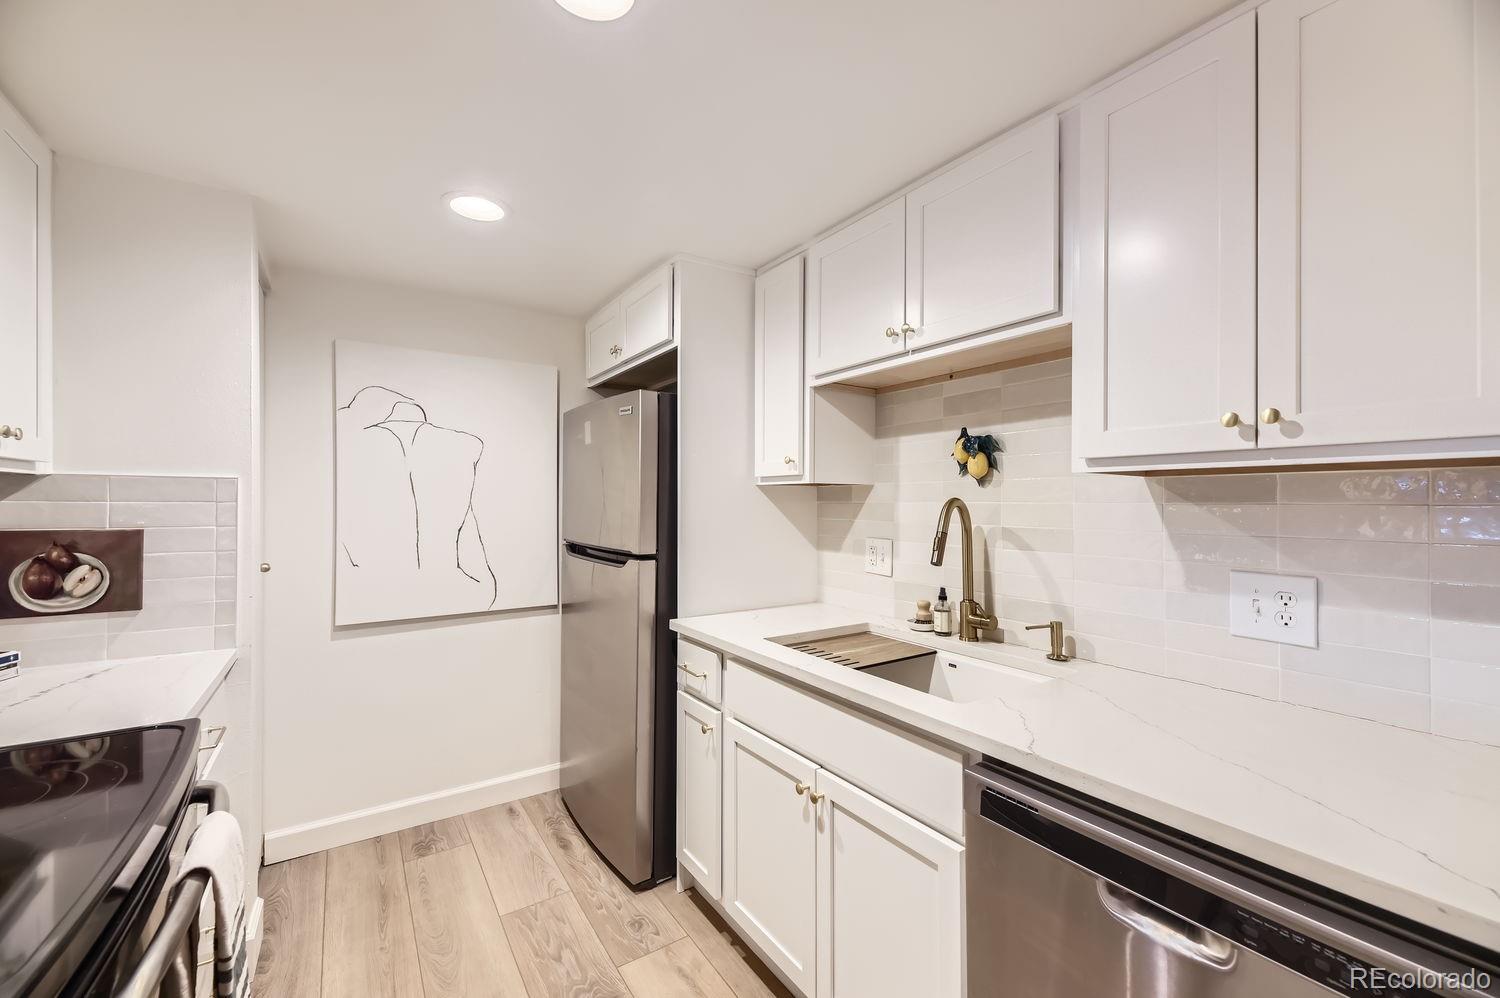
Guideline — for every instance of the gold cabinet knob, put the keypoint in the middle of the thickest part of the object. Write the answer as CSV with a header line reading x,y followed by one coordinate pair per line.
x,y
705,728
5,432
816,797
18,433
890,332
1230,419
265,567
802,788
906,328
1270,415
788,460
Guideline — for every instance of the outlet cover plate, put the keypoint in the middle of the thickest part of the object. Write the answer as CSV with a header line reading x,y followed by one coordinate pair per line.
x,y
1281,608
878,556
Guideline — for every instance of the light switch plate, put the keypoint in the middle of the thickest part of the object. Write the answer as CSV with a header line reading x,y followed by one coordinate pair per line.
x,y
1282,608
878,556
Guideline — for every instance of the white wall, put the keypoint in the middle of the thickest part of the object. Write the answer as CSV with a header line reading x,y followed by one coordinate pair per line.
x,y
377,727
742,545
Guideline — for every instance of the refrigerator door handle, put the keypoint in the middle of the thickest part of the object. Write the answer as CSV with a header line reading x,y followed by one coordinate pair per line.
x,y
599,556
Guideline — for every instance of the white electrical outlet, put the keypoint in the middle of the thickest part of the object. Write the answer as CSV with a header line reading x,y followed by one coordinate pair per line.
x,y
1280,608
878,556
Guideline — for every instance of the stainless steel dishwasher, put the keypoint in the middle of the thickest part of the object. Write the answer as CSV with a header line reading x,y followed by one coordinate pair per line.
x,y
1070,899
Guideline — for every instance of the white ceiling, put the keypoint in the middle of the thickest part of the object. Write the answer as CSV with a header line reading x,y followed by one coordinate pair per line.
x,y
732,129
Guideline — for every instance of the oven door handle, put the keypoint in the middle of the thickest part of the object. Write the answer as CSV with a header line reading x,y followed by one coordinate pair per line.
x,y
164,956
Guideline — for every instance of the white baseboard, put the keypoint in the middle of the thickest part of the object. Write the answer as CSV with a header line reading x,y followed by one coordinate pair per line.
x,y
341,829
253,941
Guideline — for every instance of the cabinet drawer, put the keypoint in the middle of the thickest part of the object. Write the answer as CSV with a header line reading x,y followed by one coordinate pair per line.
x,y
214,729
922,778
700,671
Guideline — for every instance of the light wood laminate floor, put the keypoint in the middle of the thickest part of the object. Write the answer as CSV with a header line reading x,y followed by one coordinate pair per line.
x,y
508,902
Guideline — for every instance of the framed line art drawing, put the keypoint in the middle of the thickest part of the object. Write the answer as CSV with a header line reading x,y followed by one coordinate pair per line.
x,y
445,482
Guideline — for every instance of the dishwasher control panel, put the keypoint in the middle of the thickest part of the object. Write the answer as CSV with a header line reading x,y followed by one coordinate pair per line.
x,y
1331,968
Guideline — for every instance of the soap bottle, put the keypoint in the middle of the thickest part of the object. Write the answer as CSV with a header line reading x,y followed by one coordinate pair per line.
x,y
942,614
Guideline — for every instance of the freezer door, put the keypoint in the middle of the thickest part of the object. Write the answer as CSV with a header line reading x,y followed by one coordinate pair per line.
x,y
607,716
609,473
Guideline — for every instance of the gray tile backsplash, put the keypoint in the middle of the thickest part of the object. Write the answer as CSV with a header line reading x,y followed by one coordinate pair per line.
x,y
190,539
1408,561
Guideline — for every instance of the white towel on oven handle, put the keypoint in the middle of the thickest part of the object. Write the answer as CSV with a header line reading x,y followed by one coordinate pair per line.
x,y
218,849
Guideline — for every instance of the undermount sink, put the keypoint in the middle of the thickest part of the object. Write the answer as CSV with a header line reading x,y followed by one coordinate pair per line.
x,y
953,677
943,674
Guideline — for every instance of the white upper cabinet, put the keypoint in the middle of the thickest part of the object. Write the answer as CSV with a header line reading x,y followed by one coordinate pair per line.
x,y
633,328
1164,326
856,292
779,385
1379,220
890,900
25,295
1284,229
982,240
646,312
602,338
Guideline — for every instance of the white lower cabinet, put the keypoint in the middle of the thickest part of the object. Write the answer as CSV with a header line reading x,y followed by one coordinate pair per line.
x,y
699,773
770,851
845,894
890,900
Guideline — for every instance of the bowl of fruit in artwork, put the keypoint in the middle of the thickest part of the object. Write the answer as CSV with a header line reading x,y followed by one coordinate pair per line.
x,y
59,581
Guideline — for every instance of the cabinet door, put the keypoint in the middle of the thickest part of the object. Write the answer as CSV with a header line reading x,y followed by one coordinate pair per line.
x,y
779,386
1164,332
890,900
770,850
21,215
856,292
700,773
1380,187
646,312
982,240
602,347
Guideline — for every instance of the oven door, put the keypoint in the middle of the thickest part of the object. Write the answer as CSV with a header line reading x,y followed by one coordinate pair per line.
x,y
135,943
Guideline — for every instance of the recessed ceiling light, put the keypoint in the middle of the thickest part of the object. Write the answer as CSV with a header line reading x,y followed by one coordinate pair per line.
x,y
476,207
597,10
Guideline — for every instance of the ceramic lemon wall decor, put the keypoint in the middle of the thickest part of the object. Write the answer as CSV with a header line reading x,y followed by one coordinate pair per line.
x,y
975,453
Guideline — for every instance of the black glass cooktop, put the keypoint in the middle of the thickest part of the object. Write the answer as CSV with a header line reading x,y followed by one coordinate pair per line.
x,y
79,821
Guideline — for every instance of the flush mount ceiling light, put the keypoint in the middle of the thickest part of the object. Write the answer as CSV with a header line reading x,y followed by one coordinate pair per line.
x,y
597,10
476,207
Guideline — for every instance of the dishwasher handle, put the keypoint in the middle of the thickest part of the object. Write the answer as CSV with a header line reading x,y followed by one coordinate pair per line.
x,y
1185,938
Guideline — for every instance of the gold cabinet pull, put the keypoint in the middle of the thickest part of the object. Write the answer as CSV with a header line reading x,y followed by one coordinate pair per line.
x,y
802,788
1270,415
906,328
1230,419
5,432
788,460
705,728
890,332
690,672
817,797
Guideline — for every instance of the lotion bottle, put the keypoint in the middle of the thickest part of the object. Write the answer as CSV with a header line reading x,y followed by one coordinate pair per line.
x,y
942,614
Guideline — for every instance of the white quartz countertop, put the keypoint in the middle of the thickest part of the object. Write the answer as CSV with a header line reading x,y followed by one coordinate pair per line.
x,y
58,701
1405,821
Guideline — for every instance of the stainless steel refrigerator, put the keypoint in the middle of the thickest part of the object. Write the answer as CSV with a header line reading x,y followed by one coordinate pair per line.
x,y
619,591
